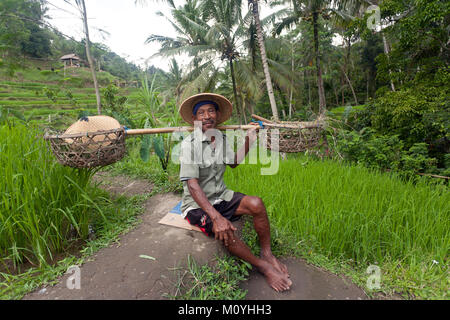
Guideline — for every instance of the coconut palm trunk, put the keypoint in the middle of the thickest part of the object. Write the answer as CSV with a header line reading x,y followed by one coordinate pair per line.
x,y
265,64
345,69
89,57
322,102
386,52
236,100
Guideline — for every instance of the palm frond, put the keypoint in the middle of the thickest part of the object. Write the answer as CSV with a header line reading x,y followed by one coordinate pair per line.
x,y
286,23
248,80
200,82
193,28
281,74
189,50
158,38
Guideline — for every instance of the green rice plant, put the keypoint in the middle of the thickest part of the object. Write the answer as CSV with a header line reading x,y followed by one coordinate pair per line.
x,y
357,214
43,205
351,210
123,216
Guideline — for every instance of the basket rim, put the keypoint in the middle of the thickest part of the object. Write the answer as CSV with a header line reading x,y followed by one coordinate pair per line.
x,y
299,125
82,134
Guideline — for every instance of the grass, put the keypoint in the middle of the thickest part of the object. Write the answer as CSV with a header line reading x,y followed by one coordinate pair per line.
x,y
47,210
124,216
341,218
42,204
218,282
356,216
30,99
345,111
78,77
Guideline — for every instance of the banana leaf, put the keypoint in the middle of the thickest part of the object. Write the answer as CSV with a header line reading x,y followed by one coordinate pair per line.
x,y
145,147
158,145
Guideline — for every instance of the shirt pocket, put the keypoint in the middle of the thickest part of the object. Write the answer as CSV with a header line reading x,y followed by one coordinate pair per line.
x,y
204,169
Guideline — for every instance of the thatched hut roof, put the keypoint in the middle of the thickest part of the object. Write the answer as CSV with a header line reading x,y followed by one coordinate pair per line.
x,y
72,56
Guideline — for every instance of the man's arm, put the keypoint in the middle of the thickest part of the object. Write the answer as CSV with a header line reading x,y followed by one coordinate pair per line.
x,y
250,137
222,228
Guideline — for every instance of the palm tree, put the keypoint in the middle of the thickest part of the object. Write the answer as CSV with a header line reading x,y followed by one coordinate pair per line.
x,y
342,24
191,32
262,48
210,32
279,56
309,10
225,35
173,81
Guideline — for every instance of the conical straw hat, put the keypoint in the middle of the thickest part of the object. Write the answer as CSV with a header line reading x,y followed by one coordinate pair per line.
x,y
93,124
225,106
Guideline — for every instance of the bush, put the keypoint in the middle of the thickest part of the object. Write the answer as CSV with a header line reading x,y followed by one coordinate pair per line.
x,y
417,160
417,115
384,151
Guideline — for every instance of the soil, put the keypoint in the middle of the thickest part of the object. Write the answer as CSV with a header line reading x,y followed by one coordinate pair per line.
x,y
121,184
120,272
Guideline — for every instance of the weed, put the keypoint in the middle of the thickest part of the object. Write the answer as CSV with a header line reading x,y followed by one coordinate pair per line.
x,y
218,282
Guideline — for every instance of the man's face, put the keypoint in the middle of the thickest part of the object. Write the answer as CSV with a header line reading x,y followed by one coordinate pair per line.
x,y
207,114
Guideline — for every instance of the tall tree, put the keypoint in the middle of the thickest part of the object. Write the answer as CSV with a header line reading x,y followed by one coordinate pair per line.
x,y
255,10
227,28
310,10
82,7
210,32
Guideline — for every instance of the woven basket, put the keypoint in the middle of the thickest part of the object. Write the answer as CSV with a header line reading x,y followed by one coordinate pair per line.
x,y
90,142
295,139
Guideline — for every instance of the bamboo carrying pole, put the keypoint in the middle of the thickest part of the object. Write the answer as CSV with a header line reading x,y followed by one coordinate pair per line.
x,y
306,125
133,132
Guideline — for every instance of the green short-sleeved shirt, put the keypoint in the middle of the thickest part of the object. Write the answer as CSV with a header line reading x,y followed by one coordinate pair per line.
x,y
199,159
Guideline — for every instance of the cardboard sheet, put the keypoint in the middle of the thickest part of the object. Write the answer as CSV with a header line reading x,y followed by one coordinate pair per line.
x,y
174,219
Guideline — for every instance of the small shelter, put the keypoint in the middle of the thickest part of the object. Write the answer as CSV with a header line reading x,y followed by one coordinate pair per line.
x,y
71,60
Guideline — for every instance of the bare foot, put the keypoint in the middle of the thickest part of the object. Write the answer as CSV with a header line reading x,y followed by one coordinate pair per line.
x,y
280,267
277,280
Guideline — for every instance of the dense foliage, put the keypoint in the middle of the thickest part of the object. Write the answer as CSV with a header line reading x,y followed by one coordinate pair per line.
x,y
408,128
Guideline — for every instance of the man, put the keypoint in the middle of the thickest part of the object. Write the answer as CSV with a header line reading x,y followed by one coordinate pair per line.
x,y
206,201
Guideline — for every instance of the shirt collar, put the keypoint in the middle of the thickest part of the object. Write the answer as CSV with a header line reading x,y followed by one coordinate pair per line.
x,y
205,137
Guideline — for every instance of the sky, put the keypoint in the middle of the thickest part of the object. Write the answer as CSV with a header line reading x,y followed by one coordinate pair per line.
x,y
128,26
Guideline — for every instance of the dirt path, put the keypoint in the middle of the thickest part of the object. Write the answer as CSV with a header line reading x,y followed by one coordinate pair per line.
x,y
118,272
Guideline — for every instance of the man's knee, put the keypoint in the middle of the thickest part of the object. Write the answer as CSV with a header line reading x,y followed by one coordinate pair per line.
x,y
256,205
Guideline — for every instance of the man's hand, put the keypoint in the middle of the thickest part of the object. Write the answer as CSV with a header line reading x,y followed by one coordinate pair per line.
x,y
249,139
223,230
251,133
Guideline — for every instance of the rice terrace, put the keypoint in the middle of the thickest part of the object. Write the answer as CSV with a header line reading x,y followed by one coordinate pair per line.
x,y
224,150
